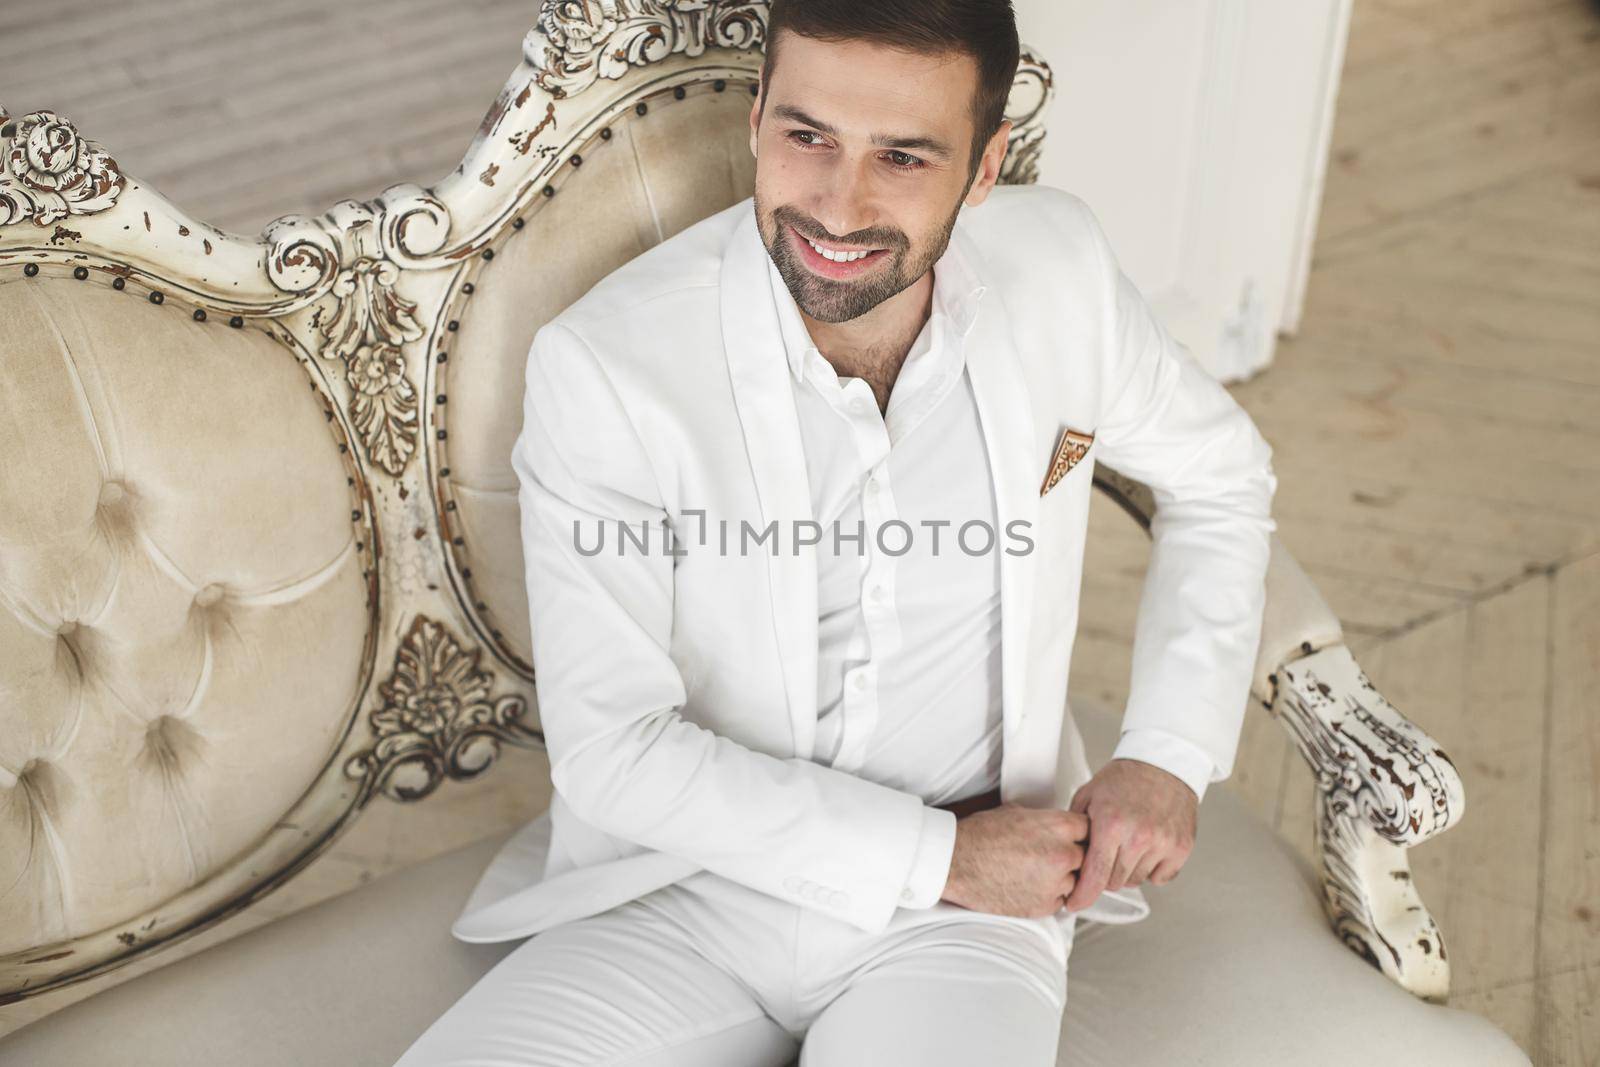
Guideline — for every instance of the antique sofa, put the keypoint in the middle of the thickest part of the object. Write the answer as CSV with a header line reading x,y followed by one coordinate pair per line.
x,y
259,570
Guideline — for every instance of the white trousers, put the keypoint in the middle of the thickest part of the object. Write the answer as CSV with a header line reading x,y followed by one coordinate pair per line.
x,y
708,972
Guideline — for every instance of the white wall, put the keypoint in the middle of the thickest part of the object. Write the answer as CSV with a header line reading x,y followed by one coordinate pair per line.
x,y
1197,130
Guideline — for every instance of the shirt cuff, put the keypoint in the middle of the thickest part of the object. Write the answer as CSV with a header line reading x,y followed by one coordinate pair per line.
x,y
1173,754
930,867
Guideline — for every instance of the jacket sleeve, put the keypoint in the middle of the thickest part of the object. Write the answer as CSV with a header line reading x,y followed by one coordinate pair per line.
x,y
609,694
1168,423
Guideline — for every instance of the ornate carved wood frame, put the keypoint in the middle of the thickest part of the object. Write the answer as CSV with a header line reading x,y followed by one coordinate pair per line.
x,y
366,297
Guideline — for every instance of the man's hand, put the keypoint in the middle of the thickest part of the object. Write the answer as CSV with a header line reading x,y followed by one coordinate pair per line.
x,y
1141,825
1016,860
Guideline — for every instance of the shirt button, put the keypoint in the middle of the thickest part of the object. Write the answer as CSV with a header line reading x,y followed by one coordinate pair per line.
x,y
859,681
858,404
878,593
905,894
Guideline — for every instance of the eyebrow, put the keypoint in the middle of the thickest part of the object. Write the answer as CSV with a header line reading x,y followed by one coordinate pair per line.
x,y
931,145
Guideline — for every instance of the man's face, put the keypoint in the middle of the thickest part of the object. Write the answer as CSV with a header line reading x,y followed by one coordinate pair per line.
x,y
863,148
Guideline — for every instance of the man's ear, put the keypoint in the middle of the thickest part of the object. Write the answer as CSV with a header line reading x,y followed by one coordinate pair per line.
x,y
994,154
755,117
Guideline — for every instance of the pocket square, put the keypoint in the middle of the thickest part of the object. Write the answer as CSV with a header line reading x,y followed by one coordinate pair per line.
x,y
1070,448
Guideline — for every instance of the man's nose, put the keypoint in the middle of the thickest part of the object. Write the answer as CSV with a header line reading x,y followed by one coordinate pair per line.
x,y
844,203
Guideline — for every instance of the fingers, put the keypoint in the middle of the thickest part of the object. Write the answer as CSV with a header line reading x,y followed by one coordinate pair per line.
x,y
1077,826
1128,860
1165,871
1097,865
1070,855
1068,882
1145,866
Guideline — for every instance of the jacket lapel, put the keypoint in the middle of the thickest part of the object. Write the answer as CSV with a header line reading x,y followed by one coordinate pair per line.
x,y
764,396
1001,392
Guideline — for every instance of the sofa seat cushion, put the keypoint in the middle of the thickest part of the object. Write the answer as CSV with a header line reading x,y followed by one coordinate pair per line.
x,y
1235,966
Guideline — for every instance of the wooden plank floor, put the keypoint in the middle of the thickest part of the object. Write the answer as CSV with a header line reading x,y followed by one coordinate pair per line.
x,y
1436,422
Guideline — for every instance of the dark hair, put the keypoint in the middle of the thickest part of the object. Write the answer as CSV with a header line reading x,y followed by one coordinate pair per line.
x,y
984,29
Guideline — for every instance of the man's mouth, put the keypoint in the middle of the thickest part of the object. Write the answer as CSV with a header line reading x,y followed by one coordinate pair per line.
x,y
835,261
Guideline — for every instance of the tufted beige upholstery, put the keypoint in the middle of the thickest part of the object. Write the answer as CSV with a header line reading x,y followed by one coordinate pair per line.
x,y
260,567
646,188
162,551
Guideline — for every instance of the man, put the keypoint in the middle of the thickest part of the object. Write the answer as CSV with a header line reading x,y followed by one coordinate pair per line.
x,y
779,759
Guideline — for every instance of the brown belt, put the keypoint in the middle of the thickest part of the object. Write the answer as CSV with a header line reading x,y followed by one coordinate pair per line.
x,y
967,805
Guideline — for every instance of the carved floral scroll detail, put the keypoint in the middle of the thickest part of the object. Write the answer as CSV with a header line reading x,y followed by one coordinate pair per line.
x,y
577,42
438,719
49,171
1383,786
1031,93
353,256
369,323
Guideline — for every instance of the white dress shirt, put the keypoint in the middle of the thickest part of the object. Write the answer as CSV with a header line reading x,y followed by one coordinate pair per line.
x,y
908,564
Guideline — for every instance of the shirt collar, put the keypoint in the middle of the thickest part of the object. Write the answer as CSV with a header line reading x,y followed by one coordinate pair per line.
x,y
957,288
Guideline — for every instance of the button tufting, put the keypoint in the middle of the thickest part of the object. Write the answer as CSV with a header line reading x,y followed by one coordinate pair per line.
x,y
37,778
111,493
208,595
170,742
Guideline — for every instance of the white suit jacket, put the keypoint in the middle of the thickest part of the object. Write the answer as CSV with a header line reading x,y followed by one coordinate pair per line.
x,y
677,682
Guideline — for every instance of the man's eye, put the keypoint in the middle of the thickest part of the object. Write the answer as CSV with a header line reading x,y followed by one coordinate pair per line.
x,y
804,133
902,161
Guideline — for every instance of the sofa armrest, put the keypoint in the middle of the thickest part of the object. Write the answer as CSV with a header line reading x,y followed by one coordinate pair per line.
x,y
1383,785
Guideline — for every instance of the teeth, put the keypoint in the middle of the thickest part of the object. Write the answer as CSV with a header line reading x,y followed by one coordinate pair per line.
x,y
837,257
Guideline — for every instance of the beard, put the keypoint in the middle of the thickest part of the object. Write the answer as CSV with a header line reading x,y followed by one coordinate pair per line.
x,y
840,300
